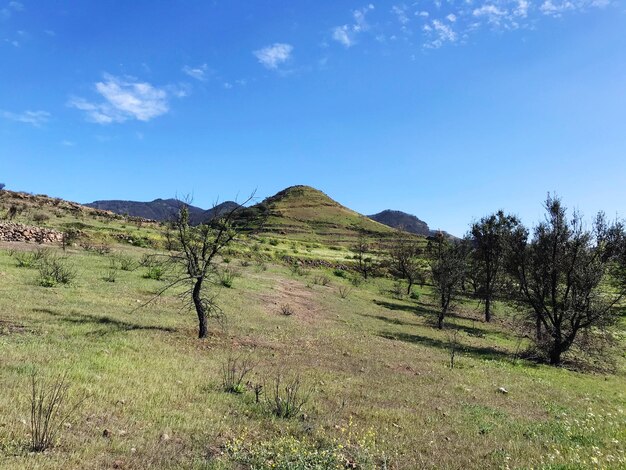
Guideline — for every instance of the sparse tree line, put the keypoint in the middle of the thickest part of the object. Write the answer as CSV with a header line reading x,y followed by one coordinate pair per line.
x,y
567,280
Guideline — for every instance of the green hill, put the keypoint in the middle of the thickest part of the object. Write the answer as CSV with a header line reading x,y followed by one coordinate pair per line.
x,y
305,213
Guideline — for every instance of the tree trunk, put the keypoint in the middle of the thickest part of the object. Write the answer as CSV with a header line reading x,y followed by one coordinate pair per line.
x,y
440,320
410,286
538,327
555,354
488,309
197,302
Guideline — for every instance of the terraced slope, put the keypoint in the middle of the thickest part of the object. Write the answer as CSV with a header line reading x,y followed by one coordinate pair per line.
x,y
305,213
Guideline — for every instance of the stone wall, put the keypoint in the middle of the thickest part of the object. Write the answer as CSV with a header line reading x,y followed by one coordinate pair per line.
x,y
11,232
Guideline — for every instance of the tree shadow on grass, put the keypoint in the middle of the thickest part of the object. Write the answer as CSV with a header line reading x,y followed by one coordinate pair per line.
x,y
480,352
420,309
111,324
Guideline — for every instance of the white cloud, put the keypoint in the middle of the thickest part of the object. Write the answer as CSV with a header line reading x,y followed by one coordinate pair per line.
x,y
199,73
35,118
346,34
522,8
401,13
492,12
442,33
68,143
274,55
451,17
343,35
124,99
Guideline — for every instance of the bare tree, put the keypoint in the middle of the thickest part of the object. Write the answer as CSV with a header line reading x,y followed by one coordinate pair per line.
x,y
448,265
489,238
571,279
198,248
362,250
404,261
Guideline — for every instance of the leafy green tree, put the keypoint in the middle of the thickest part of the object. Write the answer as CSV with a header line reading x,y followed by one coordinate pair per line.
x,y
489,238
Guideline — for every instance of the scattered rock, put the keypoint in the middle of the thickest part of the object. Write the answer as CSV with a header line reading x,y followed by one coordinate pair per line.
x,y
503,390
106,433
164,437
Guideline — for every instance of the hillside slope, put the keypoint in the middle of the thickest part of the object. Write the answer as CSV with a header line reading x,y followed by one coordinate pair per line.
x,y
303,212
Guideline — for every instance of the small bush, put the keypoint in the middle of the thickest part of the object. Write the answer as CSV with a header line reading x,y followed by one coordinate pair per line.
x,y
344,291
274,242
297,269
49,410
227,277
110,275
234,372
126,263
24,259
356,280
415,295
321,280
340,272
154,272
286,397
40,217
54,270
286,310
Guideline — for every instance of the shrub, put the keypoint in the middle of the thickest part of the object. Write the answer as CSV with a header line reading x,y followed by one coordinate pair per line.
x,y
24,259
40,217
297,269
274,242
54,270
234,372
356,280
227,276
126,263
49,410
154,272
286,397
321,280
340,272
286,310
415,295
344,291
110,275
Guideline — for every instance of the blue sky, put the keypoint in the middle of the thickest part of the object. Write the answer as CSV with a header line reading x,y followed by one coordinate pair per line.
x,y
444,109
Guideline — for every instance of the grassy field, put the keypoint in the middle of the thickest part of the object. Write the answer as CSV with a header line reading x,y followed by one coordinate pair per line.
x,y
384,394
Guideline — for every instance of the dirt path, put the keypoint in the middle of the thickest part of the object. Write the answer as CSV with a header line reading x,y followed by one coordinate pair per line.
x,y
293,295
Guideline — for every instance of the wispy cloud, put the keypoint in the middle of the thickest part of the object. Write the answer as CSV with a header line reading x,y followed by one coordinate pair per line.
x,y
273,56
442,22
10,8
441,33
346,34
199,73
124,99
34,118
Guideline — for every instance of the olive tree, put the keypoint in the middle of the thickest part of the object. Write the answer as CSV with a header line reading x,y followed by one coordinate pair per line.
x,y
448,261
404,262
569,278
489,238
196,254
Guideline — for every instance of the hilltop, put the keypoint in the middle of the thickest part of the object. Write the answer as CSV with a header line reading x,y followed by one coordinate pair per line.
x,y
305,213
402,221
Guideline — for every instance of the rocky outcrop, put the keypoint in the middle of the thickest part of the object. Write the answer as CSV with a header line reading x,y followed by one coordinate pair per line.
x,y
11,232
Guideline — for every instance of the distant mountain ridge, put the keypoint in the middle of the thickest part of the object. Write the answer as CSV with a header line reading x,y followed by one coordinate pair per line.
x,y
161,209
403,221
295,210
